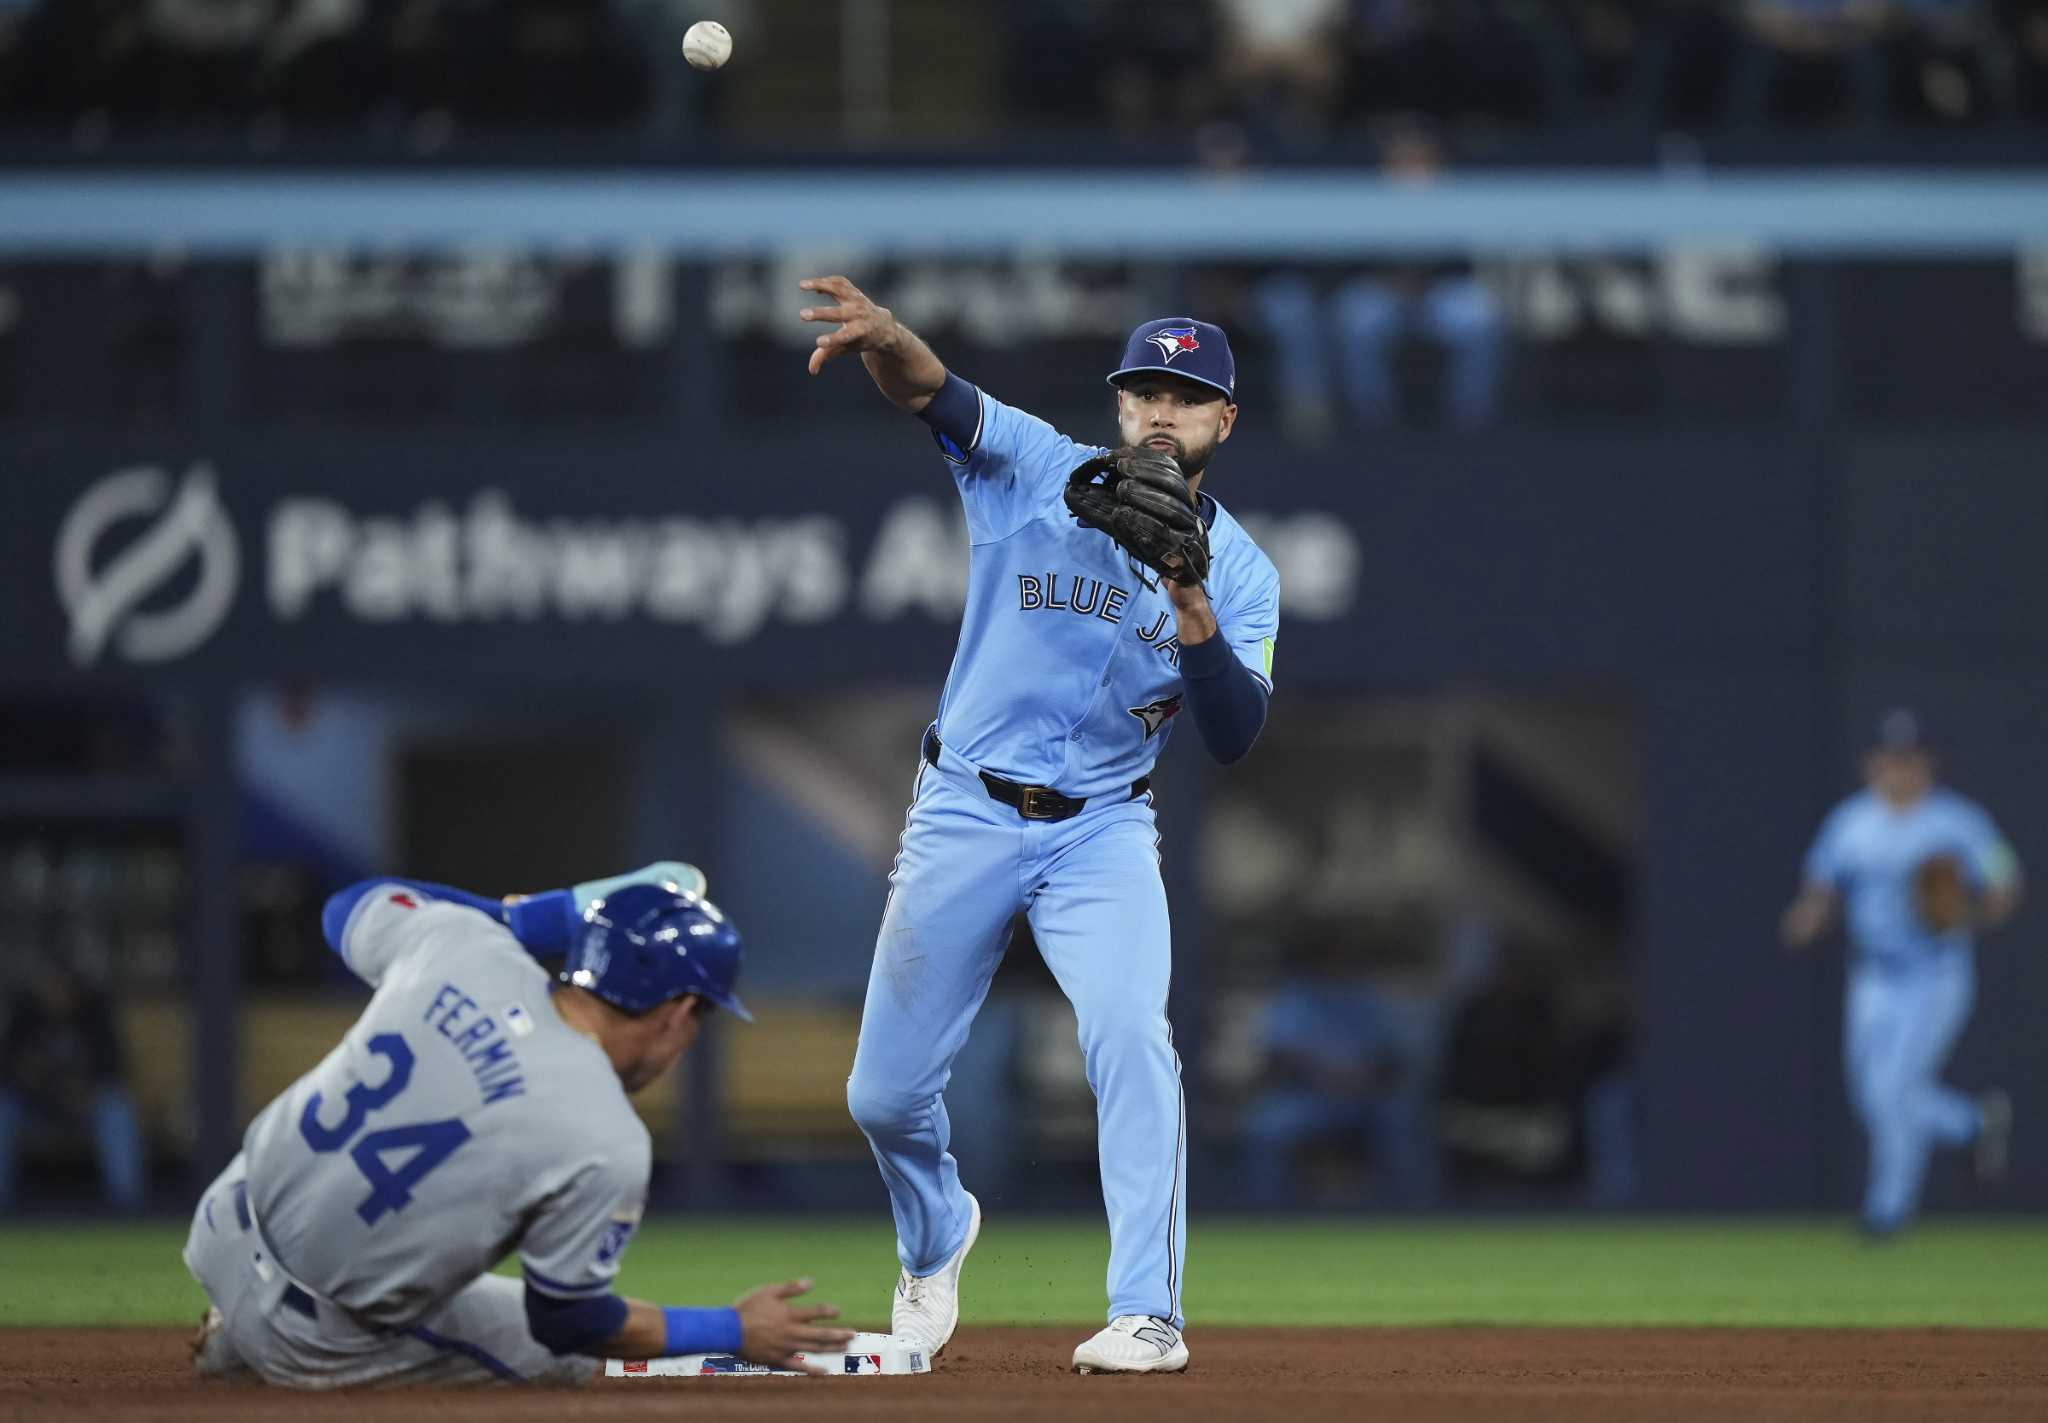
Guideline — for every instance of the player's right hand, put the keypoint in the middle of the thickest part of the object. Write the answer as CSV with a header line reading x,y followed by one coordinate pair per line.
x,y
1809,917
774,1329
863,326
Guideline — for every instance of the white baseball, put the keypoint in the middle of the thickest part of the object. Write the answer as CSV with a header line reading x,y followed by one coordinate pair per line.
x,y
707,45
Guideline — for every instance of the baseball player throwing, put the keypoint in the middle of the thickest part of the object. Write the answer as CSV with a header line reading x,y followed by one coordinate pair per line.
x,y
1106,593
1919,868
475,1109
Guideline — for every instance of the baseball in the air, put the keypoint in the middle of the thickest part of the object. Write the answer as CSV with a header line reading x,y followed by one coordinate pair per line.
x,y
707,45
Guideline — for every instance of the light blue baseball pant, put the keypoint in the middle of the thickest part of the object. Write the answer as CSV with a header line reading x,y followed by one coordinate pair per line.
x,y
1090,886
1901,1022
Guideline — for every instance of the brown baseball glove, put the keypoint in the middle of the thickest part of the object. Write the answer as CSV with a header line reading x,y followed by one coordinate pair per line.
x,y
1942,895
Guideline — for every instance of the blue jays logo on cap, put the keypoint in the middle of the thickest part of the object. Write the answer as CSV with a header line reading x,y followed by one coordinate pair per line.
x,y
1175,340
1181,345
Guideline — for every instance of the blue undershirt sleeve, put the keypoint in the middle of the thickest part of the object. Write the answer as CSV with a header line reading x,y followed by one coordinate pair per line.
x,y
954,415
1226,700
573,1326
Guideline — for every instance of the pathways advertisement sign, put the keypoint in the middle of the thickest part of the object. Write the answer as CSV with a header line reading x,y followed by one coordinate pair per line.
x,y
156,565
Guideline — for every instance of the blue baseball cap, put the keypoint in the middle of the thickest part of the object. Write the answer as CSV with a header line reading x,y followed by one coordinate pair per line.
x,y
1900,729
1181,346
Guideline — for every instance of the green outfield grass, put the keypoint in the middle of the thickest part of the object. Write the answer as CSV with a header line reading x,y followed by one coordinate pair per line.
x,y
1239,1272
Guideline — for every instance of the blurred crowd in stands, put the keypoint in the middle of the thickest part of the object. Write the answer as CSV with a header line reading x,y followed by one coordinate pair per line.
x,y
1294,70
512,62
1313,67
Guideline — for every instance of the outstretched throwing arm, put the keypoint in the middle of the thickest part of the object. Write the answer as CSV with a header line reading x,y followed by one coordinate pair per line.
x,y
902,365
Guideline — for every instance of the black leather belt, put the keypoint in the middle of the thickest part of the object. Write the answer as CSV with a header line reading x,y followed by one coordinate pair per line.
x,y
1031,802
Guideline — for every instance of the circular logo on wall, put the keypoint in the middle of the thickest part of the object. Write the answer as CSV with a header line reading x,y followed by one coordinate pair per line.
x,y
108,594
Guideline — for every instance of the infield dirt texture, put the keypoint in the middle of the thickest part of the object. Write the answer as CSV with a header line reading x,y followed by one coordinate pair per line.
x,y
1302,1322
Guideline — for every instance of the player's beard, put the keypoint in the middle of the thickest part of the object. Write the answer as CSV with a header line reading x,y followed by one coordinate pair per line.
x,y
1192,459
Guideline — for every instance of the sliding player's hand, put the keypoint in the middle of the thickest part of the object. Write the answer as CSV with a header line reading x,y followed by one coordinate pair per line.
x,y
774,1328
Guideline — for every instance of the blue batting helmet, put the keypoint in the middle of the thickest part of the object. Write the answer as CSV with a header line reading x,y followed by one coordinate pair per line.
x,y
645,944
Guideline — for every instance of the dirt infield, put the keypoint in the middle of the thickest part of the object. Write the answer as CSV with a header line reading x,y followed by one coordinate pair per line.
x,y
1303,1375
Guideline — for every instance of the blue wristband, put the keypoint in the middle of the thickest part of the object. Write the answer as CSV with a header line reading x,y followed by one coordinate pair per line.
x,y
701,1331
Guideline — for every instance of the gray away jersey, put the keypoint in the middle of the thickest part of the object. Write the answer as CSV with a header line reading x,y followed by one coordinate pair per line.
x,y
459,1118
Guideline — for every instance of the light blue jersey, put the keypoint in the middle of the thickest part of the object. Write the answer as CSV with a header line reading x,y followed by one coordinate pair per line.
x,y
1909,989
1068,670
1867,852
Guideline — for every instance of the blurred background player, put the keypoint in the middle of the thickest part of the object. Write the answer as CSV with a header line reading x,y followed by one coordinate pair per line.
x,y
62,1071
1913,974
474,1108
1348,338
1337,1067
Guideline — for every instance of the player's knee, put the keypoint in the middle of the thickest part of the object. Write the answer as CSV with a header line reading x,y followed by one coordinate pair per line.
x,y
881,1110
1124,1029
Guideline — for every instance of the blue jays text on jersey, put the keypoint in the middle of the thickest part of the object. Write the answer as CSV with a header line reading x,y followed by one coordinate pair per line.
x,y
1085,596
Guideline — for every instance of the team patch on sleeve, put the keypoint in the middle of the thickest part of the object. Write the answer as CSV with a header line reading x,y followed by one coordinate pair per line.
x,y
618,1233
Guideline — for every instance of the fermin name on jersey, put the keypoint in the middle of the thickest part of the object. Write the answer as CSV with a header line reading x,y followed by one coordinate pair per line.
x,y
480,1041
1084,597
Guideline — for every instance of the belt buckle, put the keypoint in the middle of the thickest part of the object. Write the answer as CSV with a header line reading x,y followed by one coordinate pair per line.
x,y
1029,806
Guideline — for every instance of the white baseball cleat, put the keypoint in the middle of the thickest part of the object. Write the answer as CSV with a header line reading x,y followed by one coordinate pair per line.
x,y
927,1307
1133,1344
